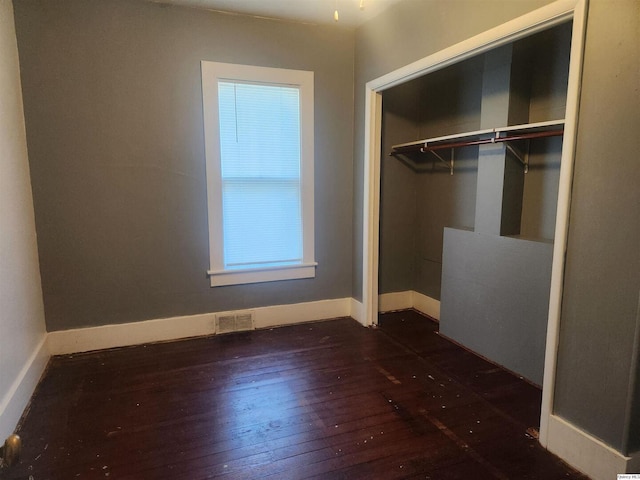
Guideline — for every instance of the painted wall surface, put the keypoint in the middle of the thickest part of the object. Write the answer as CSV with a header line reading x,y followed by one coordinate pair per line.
x,y
547,54
22,315
398,186
450,103
442,103
383,44
495,298
602,282
443,201
113,106
416,206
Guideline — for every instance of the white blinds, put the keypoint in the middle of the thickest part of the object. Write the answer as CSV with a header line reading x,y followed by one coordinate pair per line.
x,y
260,171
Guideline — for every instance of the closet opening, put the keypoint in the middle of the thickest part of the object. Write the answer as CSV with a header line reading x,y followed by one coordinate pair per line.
x,y
468,159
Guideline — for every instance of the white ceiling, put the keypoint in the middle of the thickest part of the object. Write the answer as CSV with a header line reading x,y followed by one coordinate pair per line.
x,y
312,11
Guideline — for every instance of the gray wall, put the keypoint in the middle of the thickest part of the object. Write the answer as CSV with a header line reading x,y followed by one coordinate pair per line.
x,y
112,96
602,284
398,186
450,103
495,298
22,319
548,56
415,207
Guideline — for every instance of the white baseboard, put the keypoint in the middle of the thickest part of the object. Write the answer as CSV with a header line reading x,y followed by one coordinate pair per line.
x,y
279,315
17,398
109,336
357,311
388,302
427,305
63,342
586,453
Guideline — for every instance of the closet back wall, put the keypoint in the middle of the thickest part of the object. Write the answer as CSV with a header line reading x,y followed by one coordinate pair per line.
x,y
548,58
450,104
416,206
112,96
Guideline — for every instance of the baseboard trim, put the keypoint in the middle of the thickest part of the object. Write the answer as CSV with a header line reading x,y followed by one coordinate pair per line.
x,y
357,311
427,305
280,315
65,342
586,453
17,398
388,302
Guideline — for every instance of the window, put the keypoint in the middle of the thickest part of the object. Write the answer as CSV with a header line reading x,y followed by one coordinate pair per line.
x,y
258,125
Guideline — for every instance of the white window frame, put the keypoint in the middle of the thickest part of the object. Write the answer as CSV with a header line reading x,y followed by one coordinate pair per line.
x,y
212,73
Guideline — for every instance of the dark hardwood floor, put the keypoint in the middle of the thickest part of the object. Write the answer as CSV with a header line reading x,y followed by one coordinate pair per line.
x,y
328,400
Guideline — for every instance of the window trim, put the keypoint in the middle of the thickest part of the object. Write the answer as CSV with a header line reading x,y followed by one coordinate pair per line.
x,y
212,73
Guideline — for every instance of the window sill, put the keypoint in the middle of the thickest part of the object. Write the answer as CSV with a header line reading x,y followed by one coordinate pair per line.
x,y
221,278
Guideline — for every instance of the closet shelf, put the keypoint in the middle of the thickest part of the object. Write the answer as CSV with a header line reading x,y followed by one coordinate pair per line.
x,y
526,131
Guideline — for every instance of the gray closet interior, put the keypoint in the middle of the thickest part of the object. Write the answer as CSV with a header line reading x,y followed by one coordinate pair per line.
x,y
478,235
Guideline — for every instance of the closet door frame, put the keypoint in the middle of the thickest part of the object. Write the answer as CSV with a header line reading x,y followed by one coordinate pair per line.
x,y
544,18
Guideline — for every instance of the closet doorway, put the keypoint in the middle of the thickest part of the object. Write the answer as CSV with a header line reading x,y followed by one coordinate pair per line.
x,y
443,123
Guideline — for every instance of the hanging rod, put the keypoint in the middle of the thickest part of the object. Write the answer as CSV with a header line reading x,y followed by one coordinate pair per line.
x,y
425,147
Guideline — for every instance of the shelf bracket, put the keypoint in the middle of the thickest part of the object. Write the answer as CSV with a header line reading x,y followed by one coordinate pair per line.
x,y
409,162
522,158
448,164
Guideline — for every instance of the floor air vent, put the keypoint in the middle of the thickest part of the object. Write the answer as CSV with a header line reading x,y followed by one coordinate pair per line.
x,y
235,322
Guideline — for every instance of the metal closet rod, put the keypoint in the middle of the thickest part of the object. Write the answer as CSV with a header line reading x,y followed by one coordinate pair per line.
x,y
468,143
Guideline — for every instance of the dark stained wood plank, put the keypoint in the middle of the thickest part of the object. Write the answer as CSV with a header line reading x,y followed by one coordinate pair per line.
x,y
327,400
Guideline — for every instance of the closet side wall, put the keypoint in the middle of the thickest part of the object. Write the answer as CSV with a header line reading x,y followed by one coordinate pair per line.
x,y
397,256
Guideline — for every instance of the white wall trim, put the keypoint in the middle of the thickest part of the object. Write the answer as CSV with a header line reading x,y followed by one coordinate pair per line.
x,y
357,311
427,305
279,315
587,453
212,73
17,398
109,336
388,302
371,203
63,342
562,216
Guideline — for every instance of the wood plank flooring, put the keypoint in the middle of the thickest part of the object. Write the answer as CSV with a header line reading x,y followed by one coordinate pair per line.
x,y
327,400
